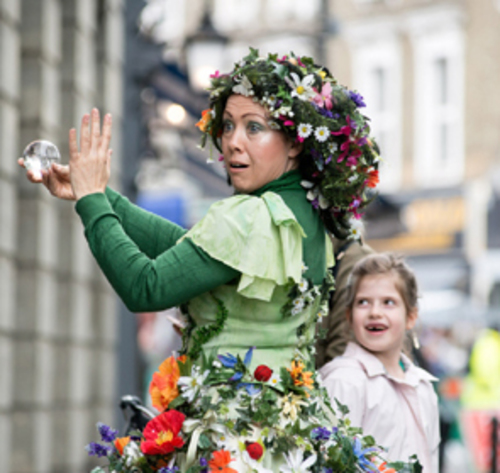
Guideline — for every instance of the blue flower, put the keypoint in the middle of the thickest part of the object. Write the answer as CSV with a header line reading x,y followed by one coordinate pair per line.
x,y
361,453
248,356
236,376
228,360
107,433
357,99
250,388
168,470
97,449
320,433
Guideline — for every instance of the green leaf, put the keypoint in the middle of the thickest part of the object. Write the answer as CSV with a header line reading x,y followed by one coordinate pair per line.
x,y
344,410
98,469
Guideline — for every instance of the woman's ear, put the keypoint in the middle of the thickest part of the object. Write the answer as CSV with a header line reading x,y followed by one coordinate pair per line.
x,y
411,318
295,149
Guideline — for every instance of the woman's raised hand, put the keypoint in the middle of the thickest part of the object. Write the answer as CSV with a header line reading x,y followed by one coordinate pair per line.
x,y
89,167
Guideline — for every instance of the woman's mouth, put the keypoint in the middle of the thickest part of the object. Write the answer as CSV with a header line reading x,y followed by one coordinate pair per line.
x,y
238,166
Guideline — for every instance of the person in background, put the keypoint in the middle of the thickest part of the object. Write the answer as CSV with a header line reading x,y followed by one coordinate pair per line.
x,y
333,329
387,395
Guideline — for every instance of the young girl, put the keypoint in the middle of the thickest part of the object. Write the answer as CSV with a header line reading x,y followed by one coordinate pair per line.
x,y
387,395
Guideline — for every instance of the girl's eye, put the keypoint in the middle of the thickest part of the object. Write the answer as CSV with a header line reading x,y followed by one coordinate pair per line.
x,y
361,302
389,302
227,126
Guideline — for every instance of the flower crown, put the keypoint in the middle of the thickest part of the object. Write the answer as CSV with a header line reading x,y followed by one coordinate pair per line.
x,y
339,160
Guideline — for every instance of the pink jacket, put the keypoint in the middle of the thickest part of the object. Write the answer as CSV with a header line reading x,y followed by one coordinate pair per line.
x,y
402,415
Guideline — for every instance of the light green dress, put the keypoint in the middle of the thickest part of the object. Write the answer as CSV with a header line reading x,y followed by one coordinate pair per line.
x,y
271,307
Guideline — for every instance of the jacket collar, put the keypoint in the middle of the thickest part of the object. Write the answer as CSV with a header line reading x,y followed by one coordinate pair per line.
x,y
374,367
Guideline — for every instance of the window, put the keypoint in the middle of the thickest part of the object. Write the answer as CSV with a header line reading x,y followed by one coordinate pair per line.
x,y
377,76
438,96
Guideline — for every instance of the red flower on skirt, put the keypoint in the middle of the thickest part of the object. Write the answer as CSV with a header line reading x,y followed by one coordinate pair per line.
x,y
161,433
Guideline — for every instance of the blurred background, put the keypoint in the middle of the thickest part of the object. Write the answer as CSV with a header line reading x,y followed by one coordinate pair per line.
x,y
429,71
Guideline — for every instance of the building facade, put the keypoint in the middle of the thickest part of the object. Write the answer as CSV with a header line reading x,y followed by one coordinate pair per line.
x,y
58,58
428,71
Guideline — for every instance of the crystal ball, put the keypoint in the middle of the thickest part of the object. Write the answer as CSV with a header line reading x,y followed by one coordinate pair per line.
x,y
39,155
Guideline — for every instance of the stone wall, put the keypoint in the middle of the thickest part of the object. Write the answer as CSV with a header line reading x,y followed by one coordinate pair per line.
x,y
58,58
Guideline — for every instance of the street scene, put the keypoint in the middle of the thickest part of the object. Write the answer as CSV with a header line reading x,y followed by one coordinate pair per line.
x,y
424,76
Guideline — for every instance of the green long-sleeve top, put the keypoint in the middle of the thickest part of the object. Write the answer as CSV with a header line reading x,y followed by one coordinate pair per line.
x,y
150,270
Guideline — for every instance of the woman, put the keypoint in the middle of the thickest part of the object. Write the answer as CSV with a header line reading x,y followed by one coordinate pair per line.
x,y
251,277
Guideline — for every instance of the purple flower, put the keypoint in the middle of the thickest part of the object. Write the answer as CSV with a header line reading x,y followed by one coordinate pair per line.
x,y
97,450
320,433
357,99
204,464
168,470
107,433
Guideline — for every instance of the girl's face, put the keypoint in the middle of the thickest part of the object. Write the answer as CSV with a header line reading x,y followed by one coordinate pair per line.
x,y
379,317
254,153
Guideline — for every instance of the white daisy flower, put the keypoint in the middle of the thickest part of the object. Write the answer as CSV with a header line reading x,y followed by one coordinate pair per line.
x,y
244,87
303,89
356,229
295,462
304,130
333,147
322,133
298,305
273,125
217,364
303,285
191,385
274,380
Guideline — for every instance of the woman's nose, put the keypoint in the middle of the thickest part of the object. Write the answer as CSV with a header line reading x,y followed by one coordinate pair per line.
x,y
235,140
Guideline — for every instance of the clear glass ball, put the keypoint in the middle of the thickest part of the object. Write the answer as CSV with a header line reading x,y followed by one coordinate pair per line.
x,y
39,155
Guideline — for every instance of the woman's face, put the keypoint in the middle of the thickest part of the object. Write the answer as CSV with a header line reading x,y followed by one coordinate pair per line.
x,y
254,153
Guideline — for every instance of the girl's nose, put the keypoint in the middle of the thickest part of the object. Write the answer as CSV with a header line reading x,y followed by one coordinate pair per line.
x,y
376,309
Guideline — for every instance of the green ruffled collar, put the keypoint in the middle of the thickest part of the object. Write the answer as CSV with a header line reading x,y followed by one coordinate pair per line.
x,y
288,181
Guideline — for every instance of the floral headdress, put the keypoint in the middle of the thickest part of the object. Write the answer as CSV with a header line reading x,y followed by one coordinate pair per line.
x,y
339,160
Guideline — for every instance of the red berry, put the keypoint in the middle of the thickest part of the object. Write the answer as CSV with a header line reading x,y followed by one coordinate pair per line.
x,y
262,373
255,450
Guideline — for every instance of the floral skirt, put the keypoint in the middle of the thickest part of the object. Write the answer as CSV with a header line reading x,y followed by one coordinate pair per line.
x,y
220,416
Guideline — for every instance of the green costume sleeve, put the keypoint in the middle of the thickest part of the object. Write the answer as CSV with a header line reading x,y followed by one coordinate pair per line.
x,y
151,233
142,282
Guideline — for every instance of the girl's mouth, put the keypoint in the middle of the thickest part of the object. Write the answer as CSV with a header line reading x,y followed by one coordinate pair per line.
x,y
376,328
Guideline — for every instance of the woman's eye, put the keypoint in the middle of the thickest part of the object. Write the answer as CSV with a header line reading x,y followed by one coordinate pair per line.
x,y
254,127
227,126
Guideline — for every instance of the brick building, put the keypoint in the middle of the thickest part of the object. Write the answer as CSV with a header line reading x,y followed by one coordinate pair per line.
x,y
57,315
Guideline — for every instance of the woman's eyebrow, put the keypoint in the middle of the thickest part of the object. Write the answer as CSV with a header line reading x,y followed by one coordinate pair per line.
x,y
246,115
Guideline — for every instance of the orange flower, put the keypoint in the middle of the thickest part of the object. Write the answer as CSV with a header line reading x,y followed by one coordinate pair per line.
x,y
299,376
373,178
163,387
220,462
121,443
205,119
383,468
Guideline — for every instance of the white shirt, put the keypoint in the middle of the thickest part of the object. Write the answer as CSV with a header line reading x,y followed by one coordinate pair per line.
x,y
401,414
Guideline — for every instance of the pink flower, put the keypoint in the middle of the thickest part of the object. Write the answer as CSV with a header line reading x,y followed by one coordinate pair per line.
x,y
289,123
345,130
215,75
324,99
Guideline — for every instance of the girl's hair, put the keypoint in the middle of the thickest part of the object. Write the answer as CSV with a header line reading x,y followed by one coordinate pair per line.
x,y
384,263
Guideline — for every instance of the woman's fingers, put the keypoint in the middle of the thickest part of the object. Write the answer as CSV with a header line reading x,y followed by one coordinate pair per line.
x,y
106,133
73,147
85,135
95,131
